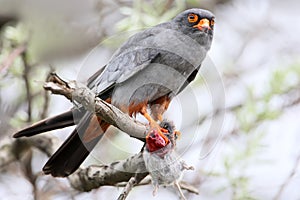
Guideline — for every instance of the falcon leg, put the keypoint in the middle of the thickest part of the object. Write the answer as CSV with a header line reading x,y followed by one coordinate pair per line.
x,y
159,117
152,122
159,106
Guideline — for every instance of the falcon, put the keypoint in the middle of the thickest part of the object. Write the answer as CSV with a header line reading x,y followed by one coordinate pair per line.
x,y
142,76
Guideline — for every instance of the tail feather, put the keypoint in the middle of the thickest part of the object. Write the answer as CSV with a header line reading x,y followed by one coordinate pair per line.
x,y
59,121
74,150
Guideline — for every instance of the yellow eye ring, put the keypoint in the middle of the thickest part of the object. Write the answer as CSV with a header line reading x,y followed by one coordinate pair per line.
x,y
192,18
212,22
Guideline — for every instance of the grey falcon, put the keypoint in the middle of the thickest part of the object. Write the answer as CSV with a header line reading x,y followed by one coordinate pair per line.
x,y
143,75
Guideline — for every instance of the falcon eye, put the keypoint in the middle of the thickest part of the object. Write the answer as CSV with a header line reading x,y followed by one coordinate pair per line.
x,y
192,18
212,22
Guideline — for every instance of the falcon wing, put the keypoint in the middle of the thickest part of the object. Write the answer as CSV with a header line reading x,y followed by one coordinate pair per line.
x,y
132,57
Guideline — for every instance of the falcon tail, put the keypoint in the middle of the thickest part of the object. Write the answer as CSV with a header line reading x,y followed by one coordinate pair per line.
x,y
75,149
67,158
78,145
59,121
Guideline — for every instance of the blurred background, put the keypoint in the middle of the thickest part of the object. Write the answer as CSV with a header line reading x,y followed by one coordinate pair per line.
x,y
239,119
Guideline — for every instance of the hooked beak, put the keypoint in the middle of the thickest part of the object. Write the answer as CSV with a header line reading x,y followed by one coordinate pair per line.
x,y
203,25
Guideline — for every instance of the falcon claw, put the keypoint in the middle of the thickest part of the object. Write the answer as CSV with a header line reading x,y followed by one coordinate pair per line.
x,y
163,130
177,134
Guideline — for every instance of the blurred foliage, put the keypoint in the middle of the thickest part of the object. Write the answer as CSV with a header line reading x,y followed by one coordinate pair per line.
x,y
140,15
145,14
259,109
246,140
18,69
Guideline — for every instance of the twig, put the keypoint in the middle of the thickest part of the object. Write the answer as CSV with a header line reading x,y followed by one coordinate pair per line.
x,y
46,100
45,105
11,58
130,184
133,181
27,85
82,95
145,181
167,6
289,178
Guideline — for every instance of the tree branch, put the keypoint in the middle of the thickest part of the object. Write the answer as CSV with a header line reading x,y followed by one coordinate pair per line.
x,y
121,171
132,170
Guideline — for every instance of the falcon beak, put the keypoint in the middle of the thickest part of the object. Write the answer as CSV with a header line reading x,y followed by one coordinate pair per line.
x,y
203,25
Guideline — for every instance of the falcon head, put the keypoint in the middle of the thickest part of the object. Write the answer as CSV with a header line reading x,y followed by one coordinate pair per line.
x,y
196,23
